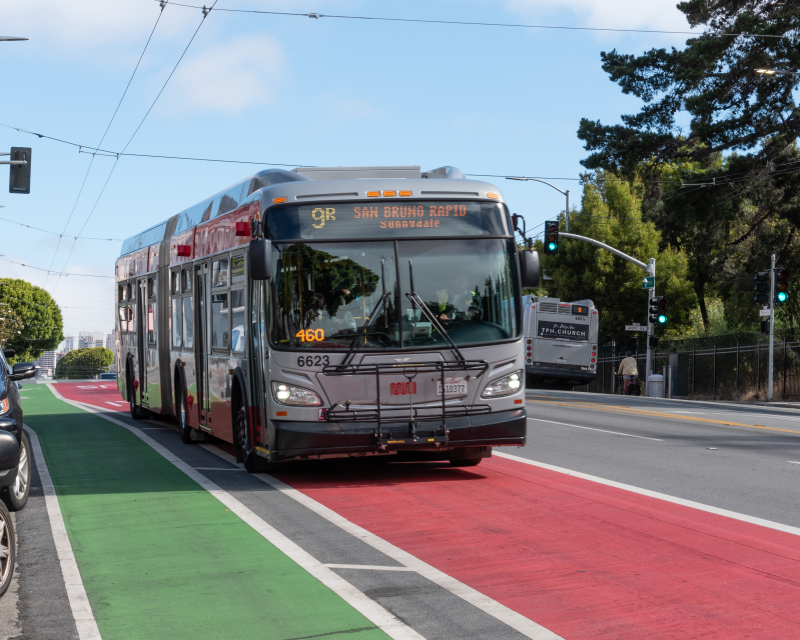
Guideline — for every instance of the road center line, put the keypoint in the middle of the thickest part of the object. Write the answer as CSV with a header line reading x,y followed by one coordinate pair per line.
x,y
655,494
370,609
616,433
82,613
516,621
792,462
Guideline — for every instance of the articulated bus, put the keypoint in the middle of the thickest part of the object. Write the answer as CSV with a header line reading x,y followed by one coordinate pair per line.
x,y
560,341
331,312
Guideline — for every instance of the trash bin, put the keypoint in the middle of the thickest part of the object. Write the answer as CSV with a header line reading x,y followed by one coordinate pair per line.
x,y
655,386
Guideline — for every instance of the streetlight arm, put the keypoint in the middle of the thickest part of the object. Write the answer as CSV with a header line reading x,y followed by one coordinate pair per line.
x,y
602,245
563,193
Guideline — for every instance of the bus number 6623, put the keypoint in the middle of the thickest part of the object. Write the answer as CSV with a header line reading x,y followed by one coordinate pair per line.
x,y
310,361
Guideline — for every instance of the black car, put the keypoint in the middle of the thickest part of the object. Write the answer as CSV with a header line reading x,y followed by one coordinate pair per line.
x,y
15,483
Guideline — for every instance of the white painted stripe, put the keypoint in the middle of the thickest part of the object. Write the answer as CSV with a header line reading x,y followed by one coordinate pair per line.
x,y
792,462
116,404
76,594
655,494
367,567
616,433
370,609
520,623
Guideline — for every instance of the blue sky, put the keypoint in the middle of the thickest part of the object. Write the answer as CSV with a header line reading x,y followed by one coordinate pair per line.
x,y
289,90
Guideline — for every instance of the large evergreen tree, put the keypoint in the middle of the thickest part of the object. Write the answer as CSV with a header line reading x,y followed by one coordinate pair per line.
x,y
42,324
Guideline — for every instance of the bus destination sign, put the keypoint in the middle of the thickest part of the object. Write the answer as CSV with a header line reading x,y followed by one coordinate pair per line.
x,y
367,219
565,330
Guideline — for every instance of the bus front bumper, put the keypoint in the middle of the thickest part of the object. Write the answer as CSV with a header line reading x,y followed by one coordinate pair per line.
x,y
468,436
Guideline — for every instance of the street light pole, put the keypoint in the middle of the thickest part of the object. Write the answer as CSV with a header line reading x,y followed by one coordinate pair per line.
x,y
565,193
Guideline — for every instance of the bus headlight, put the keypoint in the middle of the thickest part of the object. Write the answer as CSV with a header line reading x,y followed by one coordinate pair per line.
x,y
294,396
503,386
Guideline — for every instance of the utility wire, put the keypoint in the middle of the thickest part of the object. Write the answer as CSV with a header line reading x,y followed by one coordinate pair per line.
x,y
60,273
91,162
55,233
481,24
164,86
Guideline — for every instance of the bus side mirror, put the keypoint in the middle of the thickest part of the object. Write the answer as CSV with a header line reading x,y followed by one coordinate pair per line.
x,y
529,269
260,259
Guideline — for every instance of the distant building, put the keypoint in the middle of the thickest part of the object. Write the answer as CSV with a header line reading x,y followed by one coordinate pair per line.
x,y
69,344
90,339
110,340
47,363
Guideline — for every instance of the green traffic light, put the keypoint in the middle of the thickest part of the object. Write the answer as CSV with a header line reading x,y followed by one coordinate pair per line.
x,y
782,296
662,319
552,246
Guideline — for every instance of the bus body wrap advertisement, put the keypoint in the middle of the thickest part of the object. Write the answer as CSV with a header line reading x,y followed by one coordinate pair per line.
x,y
565,330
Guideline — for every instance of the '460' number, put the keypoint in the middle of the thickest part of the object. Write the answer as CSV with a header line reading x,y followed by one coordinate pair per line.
x,y
311,361
310,335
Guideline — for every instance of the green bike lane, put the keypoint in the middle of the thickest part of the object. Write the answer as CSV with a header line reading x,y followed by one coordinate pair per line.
x,y
160,556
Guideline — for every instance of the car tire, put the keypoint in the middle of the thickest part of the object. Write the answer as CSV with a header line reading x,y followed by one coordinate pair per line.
x,y
16,495
466,462
8,549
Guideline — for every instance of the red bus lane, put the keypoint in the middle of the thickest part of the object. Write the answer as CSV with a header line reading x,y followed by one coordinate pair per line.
x,y
580,558
101,393
583,559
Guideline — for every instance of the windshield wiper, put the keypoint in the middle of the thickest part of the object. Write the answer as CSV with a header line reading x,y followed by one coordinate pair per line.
x,y
416,301
362,332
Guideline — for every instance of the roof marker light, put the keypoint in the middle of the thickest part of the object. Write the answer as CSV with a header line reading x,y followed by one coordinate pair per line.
x,y
493,196
279,200
389,194
373,194
405,194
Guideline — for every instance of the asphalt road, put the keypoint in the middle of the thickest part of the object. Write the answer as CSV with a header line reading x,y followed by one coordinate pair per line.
x,y
738,457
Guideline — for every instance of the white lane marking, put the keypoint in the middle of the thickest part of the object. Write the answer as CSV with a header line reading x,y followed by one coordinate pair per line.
x,y
792,462
655,494
516,621
367,567
76,593
616,433
116,404
375,613
24,398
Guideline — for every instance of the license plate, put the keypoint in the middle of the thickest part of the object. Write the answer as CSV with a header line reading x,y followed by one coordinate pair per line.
x,y
456,388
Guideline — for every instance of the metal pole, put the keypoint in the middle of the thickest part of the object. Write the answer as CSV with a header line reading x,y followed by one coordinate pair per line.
x,y
737,368
714,392
566,218
771,326
784,367
758,370
650,295
694,371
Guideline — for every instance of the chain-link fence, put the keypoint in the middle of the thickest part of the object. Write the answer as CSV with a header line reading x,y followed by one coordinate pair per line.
x,y
731,367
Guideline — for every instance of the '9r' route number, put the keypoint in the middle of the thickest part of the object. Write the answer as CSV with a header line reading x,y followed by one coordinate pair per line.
x,y
312,361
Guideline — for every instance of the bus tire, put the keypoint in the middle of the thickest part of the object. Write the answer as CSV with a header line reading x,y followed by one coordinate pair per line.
x,y
465,462
135,413
8,551
182,415
16,495
244,453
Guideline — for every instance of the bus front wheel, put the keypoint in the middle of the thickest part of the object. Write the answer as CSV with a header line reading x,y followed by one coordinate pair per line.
x,y
244,452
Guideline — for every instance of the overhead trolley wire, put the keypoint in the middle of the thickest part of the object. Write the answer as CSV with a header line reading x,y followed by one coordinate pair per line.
x,y
55,233
164,86
59,273
512,25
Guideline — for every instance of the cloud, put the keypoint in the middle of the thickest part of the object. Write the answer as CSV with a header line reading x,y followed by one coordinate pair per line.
x,y
617,14
229,77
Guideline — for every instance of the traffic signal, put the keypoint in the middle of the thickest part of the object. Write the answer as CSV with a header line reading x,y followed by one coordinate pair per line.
x,y
551,237
761,287
658,310
19,178
765,326
781,285
652,342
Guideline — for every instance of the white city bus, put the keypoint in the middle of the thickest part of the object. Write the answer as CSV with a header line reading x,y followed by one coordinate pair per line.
x,y
560,341
334,312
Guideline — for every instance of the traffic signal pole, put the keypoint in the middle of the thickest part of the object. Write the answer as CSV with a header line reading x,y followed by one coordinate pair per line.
x,y
771,325
651,293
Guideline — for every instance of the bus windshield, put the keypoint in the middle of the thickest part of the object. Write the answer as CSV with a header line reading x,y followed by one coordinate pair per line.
x,y
324,295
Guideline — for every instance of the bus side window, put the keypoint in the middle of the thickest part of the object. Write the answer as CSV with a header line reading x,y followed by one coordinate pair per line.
x,y
238,320
151,322
123,322
121,293
220,316
188,322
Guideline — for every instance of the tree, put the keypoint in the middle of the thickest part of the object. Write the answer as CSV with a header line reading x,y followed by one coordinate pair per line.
x,y
611,212
42,324
84,363
725,190
10,324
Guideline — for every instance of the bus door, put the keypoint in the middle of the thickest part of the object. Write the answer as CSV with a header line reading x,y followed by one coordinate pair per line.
x,y
201,341
141,326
